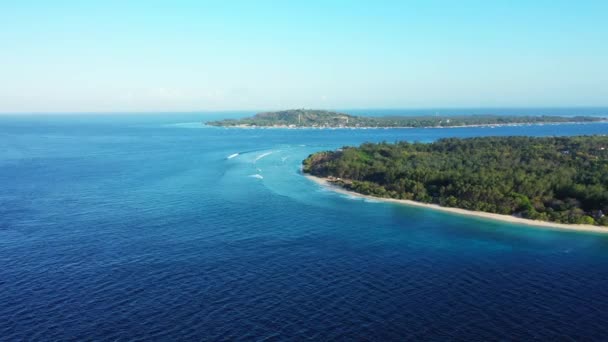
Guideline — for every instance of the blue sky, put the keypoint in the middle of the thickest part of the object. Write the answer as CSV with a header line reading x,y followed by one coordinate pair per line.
x,y
226,55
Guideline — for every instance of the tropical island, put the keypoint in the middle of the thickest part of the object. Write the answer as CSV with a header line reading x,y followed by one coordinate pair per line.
x,y
556,179
308,118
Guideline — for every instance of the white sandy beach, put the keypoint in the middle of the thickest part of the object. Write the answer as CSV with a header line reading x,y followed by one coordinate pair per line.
x,y
505,218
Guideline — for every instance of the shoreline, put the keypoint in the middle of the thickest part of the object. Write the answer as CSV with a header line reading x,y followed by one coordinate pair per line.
x,y
604,121
464,212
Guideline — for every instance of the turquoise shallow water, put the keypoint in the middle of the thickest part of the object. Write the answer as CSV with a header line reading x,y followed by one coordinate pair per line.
x,y
141,227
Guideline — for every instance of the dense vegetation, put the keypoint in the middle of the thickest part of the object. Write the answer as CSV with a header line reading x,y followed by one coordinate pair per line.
x,y
560,179
321,118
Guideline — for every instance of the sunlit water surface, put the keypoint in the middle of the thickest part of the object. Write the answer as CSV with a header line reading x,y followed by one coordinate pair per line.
x,y
141,227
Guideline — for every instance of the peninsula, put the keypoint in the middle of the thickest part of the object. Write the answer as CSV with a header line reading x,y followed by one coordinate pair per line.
x,y
556,179
306,118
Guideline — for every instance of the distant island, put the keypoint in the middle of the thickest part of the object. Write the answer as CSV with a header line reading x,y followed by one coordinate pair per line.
x,y
307,118
556,179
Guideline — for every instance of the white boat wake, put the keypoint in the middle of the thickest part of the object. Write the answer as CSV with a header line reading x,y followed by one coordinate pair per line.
x,y
262,156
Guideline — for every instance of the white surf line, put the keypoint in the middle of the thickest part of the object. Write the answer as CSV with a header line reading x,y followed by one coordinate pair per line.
x,y
232,156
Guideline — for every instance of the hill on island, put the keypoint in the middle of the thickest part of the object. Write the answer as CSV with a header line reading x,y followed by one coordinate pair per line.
x,y
559,179
328,119
293,117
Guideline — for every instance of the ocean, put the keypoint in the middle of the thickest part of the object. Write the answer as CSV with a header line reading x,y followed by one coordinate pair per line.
x,y
156,227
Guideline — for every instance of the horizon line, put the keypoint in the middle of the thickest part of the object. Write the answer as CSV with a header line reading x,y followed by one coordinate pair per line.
x,y
211,111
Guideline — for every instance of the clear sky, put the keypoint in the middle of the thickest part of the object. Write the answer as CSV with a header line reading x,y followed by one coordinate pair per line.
x,y
224,55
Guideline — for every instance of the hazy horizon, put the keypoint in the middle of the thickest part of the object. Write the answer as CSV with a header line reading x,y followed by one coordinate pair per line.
x,y
537,110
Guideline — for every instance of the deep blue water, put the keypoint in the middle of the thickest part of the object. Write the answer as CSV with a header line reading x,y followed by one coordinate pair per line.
x,y
140,228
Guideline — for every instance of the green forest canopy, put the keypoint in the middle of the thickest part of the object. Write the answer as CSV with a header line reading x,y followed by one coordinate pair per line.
x,y
559,179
